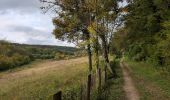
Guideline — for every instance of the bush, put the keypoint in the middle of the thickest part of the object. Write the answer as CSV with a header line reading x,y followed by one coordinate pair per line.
x,y
59,56
11,56
12,62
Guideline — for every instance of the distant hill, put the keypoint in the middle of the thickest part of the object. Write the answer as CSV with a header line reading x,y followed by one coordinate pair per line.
x,y
14,54
65,49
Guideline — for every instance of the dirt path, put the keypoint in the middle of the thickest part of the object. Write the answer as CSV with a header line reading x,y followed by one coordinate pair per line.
x,y
129,88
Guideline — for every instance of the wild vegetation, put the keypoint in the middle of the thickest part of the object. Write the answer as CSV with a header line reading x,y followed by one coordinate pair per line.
x,y
146,34
152,83
144,40
15,55
90,24
11,56
138,30
40,80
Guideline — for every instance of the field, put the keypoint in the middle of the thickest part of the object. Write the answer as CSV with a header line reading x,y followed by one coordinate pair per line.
x,y
42,79
112,50
14,55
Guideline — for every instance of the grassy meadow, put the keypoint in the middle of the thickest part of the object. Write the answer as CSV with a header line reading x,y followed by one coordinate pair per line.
x,y
40,80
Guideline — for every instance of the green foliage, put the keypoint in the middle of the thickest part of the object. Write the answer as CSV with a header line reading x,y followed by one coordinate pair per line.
x,y
47,52
11,56
15,55
150,81
59,56
113,89
118,43
147,28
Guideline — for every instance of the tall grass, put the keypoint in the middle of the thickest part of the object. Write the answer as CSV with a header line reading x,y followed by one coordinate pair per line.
x,y
44,84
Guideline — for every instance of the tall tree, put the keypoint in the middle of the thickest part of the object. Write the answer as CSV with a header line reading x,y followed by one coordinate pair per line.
x,y
73,18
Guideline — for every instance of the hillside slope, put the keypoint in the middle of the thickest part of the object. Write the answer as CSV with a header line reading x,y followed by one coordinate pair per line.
x,y
42,80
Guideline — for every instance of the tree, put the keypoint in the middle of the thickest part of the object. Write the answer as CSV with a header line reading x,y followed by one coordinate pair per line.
x,y
86,21
147,30
108,18
71,23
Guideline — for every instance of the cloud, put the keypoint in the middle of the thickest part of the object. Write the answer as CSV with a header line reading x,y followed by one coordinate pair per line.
x,y
19,4
22,21
31,32
29,35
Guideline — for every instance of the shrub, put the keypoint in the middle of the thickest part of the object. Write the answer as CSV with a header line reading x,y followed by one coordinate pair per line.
x,y
11,56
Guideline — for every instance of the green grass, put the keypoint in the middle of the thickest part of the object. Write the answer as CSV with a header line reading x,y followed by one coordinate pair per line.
x,y
42,85
151,82
113,89
33,82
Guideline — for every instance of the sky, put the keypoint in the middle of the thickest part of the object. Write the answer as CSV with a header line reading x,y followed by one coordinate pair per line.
x,y
22,21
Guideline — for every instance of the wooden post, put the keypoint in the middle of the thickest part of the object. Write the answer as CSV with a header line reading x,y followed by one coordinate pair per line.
x,y
57,96
99,78
88,87
93,81
105,73
81,92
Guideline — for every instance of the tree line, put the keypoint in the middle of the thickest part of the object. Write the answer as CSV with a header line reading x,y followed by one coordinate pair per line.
x,y
139,28
88,23
11,56
146,33
15,55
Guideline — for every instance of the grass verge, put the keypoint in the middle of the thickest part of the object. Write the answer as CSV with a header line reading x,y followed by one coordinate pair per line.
x,y
151,83
40,80
113,89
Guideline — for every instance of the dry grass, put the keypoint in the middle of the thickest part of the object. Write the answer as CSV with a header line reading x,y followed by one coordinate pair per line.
x,y
42,80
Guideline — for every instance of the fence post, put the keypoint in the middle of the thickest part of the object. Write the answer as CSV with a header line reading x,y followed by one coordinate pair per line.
x,y
88,87
93,81
99,78
81,92
57,96
105,73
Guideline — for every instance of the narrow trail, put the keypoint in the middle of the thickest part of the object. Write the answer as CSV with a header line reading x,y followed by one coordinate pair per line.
x,y
129,88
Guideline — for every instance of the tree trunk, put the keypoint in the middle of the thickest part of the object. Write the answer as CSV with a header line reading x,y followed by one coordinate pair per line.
x,y
100,79
87,37
105,73
96,48
105,53
98,70
89,86
89,57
